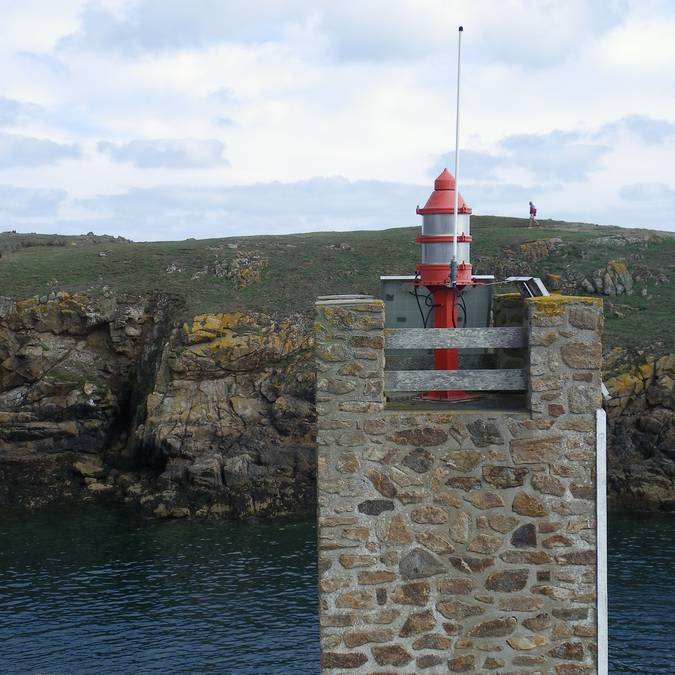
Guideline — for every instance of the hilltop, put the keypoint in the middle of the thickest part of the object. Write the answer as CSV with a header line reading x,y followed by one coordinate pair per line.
x,y
282,274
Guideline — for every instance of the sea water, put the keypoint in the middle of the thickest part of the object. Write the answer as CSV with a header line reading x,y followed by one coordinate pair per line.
x,y
106,591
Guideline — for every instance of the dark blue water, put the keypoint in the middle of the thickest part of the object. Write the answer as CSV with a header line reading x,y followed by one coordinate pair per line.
x,y
105,592
641,581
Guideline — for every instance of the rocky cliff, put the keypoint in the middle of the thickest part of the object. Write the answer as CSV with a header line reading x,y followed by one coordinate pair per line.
x,y
109,398
229,422
72,370
113,398
641,420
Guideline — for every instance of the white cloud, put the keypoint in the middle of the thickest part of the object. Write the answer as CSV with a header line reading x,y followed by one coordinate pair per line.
x,y
167,153
37,25
381,30
647,192
647,129
555,156
20,202
18,150
558,155
475,165
12,111
315,204
642,46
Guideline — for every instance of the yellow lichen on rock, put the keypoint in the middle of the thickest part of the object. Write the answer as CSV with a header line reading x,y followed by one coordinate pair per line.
x,y
237,336
647,370
506,296
618,266
205,327
666,364
553,305
623,385
58,313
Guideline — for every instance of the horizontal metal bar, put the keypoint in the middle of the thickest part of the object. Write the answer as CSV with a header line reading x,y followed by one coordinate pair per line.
x,y
512,379
458,338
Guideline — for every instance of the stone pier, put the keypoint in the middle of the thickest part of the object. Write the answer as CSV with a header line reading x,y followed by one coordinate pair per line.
x,y
458,540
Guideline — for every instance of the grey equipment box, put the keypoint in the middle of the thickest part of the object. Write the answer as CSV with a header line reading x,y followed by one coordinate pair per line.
x,y
402,311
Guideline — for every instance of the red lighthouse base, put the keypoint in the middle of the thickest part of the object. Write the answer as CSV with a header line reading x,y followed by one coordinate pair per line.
x,y
445,299
445,316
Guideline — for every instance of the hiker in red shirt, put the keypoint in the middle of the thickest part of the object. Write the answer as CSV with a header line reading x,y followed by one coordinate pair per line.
x,y
533,215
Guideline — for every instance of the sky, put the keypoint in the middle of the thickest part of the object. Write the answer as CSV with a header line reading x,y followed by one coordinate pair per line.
x,y
168,119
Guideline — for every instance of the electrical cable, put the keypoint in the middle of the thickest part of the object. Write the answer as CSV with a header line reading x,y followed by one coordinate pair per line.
x,y
419,306
462,304
458,301
429,302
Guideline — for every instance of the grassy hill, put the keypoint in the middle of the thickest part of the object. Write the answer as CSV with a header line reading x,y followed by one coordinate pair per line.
x,y
296,268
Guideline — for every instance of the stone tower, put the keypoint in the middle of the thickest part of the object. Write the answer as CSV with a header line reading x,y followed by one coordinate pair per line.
x,y
459,540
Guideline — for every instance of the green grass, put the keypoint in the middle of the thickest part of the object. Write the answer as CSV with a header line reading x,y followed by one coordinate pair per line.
x,y
651,328
302,266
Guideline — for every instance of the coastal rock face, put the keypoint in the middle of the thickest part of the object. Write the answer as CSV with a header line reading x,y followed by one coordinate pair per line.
x,y
107,398
70,373
641,420
230,418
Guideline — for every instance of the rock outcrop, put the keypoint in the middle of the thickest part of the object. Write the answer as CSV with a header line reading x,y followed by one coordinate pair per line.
x,y
107,398
72,372
230,419
538,249
244,269
614,279
641,418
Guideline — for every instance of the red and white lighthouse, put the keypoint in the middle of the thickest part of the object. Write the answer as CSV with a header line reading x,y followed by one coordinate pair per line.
x,y
438,227
435,271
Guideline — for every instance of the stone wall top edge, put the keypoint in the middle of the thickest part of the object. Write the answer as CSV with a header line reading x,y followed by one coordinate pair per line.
x,y
558,299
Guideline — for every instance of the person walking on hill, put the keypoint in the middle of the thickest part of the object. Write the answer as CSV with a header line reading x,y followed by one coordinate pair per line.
x,y
533,216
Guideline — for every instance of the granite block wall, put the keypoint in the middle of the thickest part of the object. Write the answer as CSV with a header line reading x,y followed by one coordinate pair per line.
x,y
458,541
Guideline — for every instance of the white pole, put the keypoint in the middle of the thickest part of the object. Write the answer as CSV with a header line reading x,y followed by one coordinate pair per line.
x,y
601,540
459,72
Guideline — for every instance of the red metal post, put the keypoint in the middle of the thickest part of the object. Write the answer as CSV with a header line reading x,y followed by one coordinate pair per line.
x,y
445,316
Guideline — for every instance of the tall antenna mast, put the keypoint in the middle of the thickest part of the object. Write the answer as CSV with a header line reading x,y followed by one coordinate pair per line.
x,y
453,263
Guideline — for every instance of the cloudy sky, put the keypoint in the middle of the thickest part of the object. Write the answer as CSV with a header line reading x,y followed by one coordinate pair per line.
x,y
166,119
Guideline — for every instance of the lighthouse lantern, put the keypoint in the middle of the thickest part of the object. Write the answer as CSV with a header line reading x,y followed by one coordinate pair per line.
x,y
437,235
